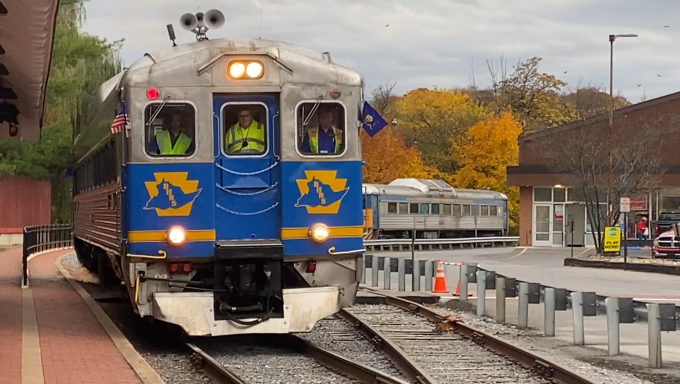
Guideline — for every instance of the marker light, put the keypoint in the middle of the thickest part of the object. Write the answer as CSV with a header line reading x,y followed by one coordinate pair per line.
x,y
176,235
254,70
236,70
319,232
153,93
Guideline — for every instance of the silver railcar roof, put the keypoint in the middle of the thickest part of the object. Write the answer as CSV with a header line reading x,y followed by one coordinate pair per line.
x,y
431,188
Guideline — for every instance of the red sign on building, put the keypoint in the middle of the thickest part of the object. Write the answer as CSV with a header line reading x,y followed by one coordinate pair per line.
x,y
638,204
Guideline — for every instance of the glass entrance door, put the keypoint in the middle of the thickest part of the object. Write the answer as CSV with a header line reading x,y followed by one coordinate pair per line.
x,y
542,224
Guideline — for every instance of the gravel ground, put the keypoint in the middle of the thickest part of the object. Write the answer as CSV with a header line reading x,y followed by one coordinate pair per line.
x,y
587,362
337,335
631,259
257,361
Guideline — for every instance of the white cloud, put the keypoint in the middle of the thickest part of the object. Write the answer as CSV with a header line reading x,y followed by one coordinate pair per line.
x,y
432,42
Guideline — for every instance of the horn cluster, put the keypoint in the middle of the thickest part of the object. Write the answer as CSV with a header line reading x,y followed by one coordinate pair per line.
x,y
200,23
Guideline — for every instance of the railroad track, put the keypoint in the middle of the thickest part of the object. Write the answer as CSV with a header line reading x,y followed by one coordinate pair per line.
x,y
282,359
430,348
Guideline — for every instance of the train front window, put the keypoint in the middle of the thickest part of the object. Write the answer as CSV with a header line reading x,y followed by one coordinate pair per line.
x,y
245,129
170,129
321,128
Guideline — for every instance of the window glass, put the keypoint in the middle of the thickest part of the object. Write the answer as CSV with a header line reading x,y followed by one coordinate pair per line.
x,y
403,208
321,128
447,209
542,194
485,210
391,207
457,210
245,129
435,209
559,195
494,210
467,210
424,208
170,130
413,208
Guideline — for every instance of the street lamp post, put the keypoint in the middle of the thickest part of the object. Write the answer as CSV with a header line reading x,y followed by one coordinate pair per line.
x,y
611,118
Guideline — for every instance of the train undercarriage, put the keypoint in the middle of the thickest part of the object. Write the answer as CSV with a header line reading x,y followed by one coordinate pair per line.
x,y
222,295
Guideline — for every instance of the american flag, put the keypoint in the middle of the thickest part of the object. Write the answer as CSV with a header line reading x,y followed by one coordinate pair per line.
x,y
120,121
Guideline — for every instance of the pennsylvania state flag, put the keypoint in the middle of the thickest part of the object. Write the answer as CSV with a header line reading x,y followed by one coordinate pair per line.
x,y
372,121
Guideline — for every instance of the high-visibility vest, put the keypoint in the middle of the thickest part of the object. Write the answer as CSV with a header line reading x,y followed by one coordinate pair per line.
x,y
252,137
165,143
314,139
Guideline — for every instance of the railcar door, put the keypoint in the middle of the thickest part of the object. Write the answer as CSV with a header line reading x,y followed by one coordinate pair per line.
x,y
247,209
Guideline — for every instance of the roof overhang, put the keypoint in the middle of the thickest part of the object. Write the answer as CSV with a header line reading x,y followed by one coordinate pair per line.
x,y
26,36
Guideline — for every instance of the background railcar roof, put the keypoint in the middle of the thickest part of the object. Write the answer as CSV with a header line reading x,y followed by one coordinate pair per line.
x,y
297,58
431,188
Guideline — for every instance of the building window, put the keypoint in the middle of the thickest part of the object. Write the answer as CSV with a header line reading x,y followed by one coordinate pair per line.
x,y
559,195
391,207
543,194
170,129
321,128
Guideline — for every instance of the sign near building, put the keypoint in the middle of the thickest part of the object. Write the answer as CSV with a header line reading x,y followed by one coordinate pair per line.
x,y
638,204
612,239
625,204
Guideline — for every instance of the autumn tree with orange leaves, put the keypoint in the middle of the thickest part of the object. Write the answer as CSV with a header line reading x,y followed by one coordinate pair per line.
x,y
484,153
388,158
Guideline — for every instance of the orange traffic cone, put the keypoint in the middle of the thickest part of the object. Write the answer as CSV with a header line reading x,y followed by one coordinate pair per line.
x,y
440,279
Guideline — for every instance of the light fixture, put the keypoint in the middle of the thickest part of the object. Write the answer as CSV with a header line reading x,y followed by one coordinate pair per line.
x,y
176,235
319,232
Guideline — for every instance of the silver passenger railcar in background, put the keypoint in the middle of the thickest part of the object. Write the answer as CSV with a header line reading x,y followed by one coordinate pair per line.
x,y
434,209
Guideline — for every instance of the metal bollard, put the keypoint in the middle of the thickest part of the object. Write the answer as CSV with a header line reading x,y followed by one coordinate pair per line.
x,y
416,276
613,340
428,276
654,329
500,299
375,267
481,293
523,306
577,310
387,273
463,283
363,269
401,271
549,305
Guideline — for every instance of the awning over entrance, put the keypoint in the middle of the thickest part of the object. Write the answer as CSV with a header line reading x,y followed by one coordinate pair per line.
x,y
26,37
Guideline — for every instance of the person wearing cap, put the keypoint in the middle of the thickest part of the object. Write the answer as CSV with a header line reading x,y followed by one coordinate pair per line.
x,y
324,138
246,137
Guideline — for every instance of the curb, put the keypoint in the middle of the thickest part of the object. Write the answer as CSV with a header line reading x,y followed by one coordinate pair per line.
x,y
664,269
138,364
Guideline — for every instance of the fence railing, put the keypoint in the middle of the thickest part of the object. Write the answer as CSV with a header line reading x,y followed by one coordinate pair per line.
x,y
42,238
398,245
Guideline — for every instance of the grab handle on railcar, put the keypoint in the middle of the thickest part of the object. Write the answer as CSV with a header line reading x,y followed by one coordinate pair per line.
x,y
332,251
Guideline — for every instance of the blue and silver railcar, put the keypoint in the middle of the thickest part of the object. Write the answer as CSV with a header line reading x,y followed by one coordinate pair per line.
x,y
222,242
433,209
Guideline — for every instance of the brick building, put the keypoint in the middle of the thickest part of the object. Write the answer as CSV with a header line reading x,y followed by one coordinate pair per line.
x,y
547,201
23,202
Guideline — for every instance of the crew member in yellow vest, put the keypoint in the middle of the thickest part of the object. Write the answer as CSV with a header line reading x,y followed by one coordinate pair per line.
x,y
324,138
247,137
172,141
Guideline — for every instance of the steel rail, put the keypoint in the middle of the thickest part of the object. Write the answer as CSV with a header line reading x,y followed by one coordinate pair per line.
x,y
214,369
396,355
347,367
539,365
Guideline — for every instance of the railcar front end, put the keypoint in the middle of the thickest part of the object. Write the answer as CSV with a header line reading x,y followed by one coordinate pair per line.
x,y
240,231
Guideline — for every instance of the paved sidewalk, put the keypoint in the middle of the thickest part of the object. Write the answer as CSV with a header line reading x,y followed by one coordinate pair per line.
x,y
48,333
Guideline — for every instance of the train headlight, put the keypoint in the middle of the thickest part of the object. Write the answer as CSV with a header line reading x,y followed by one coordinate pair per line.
x,y
245,70
176,235
319,232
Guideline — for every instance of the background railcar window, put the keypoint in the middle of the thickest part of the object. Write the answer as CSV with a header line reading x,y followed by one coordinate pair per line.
x,y
245,129
447,210
170,129
493,210
403,208
457,210
321,128
485,210
424,208
435,209
467,210
413,208
391,207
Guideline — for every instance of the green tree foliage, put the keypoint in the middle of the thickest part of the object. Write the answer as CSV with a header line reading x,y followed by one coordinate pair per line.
x,y
79,63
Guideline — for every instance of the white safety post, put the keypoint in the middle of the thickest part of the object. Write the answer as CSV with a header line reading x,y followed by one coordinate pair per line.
x,y
387,274
654,329
401,274
374,272
577,310
500,299
613,340
481,293
463,283
523,306
549,304
416,276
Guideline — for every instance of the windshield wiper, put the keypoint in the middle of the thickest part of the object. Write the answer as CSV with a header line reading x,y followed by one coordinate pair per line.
x,y
155,115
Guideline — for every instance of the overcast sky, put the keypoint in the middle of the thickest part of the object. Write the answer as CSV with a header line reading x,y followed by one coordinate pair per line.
x,y
433,42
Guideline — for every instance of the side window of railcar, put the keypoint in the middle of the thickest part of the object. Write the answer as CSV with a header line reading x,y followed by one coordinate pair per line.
x,y
321,128
245,129
170,129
